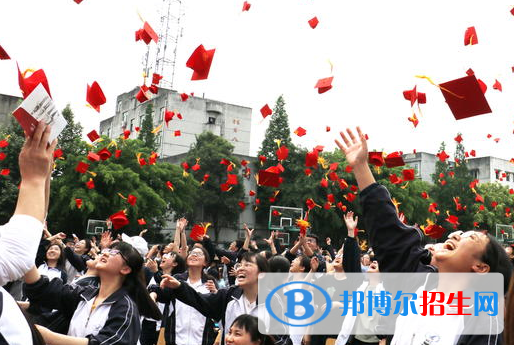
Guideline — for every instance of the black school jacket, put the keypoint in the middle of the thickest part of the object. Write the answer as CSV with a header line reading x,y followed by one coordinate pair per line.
x,y
397,246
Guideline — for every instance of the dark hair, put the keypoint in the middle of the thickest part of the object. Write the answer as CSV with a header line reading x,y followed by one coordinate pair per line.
x,y
261,261
498,261
508,331
267,254
88,245
315,237
61,260
251,325
305,262
239,244
181,263
205,254
135,281
279,264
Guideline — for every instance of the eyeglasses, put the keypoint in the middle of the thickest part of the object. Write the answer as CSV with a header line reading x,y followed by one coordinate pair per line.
x,y
113,252
244,265
168,256
198,254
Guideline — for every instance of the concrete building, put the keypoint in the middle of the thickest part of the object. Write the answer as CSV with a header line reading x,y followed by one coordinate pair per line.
x,y
7,105
232,122
492,169
229,121
423,163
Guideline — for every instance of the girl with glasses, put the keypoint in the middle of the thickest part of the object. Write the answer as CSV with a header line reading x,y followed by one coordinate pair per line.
x,y
109,314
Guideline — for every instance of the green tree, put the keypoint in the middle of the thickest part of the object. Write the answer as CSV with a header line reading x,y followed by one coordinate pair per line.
x,y
124,175
145,133
13,134
70,139
278,129
497,208
214,205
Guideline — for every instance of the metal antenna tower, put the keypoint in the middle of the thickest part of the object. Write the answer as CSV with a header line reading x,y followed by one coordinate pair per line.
x,y
170,32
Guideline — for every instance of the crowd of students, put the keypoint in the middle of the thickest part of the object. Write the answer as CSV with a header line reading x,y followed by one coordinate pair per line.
x,y
119,291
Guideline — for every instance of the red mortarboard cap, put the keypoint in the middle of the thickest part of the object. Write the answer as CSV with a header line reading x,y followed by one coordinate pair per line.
x,y
93,135
141,95
153,89
196,167
323,85
3,54
266,111
93,157
27,84
465,98
82,167
251,193
57,154
95,96
168,116
90,184
200,62
232,179
282,153
177,133
470,36
78,1
434,231
376,158
156,78
126,134
458,138
104,154
198,230
4,143
147,34
313,22
5,172
117,154
246,6
132,199
184,97
311,159
141,221
269,179
78,202
394,179
470,71
242,205
394,159
497,85
300,132
323,183
119,220
408,174
413,96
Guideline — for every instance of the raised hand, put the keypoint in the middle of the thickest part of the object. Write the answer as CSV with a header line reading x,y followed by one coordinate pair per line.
x,y
351,223
269,240
355,149
169,282
181,224
106,240
36,156
249,232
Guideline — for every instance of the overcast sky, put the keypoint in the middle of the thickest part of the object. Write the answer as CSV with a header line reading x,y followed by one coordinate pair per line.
x,y
376,49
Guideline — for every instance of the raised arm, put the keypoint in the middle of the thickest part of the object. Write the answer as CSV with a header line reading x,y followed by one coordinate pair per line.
x,y
271,242
351,254
248,237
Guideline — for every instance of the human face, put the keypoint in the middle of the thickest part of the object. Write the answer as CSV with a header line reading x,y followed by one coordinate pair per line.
x,y
509,252
239,336
168,261
112,261
311,242
373,267
232,246
196,258
338,261
462,252
247,273
365,260
80,247
53,252
295,266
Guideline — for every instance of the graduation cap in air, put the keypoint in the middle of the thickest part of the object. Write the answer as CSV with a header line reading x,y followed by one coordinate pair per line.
x,y
27,84
95,96
313,22
3,54
200,62
93,135
147,34
268,178
465,97
323,85
266,111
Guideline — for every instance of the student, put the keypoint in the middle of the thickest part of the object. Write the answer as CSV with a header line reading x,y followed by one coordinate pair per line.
x,y
245,331
184,324
105,315
227,304
53,265
397,248
76,259
19,238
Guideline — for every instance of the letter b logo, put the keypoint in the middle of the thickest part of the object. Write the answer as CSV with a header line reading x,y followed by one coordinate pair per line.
x,y
293,302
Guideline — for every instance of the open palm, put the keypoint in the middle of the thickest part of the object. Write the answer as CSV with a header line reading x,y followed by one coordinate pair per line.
x,y
354,148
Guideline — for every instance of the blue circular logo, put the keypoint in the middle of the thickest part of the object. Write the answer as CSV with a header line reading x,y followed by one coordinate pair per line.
x,y
323,292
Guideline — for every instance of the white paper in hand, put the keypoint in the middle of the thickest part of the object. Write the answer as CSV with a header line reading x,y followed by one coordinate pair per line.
x,y
39,106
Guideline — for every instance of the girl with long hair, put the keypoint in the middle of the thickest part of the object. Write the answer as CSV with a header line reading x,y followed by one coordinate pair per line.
x,y
109,314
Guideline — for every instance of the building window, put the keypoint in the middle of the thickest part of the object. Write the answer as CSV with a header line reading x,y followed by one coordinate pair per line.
x,y
507,176
118,107
497,173
141,119
161,114
124,119
212,120
131,125
474,173
108,132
